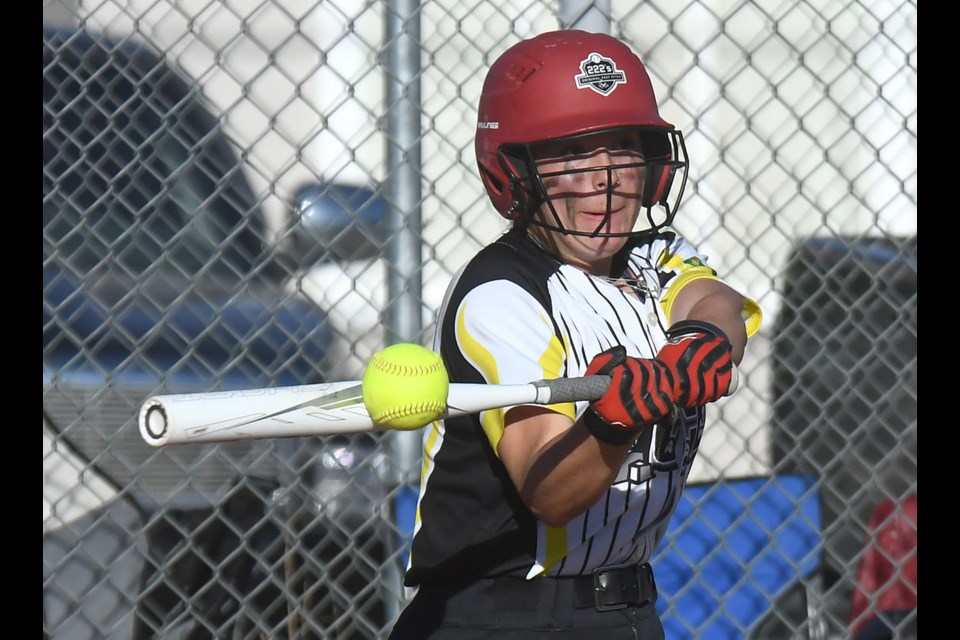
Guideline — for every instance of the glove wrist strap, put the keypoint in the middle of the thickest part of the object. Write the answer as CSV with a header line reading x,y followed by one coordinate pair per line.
x,y
606,432
685,327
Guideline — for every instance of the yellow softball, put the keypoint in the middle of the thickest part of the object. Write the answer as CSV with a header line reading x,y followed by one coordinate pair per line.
x,y
405,386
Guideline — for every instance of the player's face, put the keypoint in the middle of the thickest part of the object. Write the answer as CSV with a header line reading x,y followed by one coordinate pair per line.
x,y
594,184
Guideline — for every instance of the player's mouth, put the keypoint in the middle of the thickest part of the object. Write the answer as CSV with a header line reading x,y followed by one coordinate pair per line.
x,y
601,214
600,220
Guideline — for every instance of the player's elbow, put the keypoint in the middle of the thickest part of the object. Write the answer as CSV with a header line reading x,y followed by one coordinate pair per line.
x,y
555,518
557,513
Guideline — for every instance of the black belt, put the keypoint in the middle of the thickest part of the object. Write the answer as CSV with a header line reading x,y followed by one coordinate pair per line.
x,y
606,589
615,587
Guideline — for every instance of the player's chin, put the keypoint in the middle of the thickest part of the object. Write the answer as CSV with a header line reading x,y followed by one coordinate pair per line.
x,y
602,245
610,230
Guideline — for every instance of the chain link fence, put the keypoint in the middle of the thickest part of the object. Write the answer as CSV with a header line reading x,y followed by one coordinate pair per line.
x,y
260,193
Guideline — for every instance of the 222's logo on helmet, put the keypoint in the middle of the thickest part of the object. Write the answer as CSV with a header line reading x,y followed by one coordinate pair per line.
x,y
600,74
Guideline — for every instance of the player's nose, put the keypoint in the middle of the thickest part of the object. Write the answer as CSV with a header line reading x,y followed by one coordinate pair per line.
x,y
605,176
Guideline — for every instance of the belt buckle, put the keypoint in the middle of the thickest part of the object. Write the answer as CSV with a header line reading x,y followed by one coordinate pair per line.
x,y
601,585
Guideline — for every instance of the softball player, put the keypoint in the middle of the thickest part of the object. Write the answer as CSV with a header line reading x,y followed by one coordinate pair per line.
x,y
537,519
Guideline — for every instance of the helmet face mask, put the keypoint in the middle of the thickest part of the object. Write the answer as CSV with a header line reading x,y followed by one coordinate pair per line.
x,y
659,157
547,97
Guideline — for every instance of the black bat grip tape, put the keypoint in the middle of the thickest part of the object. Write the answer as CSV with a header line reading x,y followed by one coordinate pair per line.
x,y
576,389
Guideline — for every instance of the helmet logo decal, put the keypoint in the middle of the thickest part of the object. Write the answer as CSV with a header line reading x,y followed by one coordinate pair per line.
x,y
600,74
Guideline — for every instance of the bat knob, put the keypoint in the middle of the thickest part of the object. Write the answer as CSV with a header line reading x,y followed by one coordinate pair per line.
x,y
153,423
734,381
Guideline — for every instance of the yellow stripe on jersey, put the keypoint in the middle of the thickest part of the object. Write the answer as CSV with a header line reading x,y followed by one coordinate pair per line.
x,y
692,269
425,466
556,546
686,274
552,363
492,419
556,537
554,356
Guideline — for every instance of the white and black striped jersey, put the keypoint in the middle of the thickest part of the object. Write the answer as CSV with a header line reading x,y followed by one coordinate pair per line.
x,y
515,314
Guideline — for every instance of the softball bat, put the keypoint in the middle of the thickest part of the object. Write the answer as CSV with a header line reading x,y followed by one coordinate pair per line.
x,y
328,409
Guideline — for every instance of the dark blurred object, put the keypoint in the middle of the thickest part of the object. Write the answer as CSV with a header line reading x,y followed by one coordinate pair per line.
x,y
845,385
157,279
153,256
225,561
338,222
884,603
121,574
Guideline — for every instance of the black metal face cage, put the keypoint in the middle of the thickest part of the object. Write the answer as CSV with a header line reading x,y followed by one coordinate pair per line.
x,y
665,156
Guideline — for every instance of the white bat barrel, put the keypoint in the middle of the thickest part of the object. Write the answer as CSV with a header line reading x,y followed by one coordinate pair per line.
x,y
251,414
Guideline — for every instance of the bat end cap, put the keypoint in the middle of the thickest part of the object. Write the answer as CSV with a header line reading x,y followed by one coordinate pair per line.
x,y
153,423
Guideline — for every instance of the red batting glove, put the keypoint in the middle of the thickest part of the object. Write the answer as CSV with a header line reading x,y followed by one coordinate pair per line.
x,y
640,394
699,356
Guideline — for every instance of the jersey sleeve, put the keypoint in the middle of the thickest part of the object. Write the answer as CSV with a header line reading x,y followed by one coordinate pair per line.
x,y
680,264
508,337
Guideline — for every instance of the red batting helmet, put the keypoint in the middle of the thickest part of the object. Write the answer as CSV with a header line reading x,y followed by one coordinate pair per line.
x,y
564,84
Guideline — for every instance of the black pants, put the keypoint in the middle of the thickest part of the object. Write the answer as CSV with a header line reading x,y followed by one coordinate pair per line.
x,y
514,609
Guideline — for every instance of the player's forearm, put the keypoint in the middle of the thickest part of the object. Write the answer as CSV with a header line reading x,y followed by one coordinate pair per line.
x,y
723,309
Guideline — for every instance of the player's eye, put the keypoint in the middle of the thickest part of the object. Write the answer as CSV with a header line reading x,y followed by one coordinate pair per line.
x,y
630,144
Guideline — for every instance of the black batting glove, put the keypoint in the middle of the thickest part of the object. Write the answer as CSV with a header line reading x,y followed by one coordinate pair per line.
x,y
640,395
699,357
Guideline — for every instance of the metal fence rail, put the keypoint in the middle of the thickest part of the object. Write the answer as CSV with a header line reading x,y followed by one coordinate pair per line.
x,y
241,195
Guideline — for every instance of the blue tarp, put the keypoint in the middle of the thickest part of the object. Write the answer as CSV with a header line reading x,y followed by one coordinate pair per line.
x,y
732,548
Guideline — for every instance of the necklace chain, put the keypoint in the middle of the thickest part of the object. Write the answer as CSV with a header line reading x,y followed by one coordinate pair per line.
x,y
629,280
632,282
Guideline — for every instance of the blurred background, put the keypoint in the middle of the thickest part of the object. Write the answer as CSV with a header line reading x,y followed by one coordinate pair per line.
x,y
253,193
